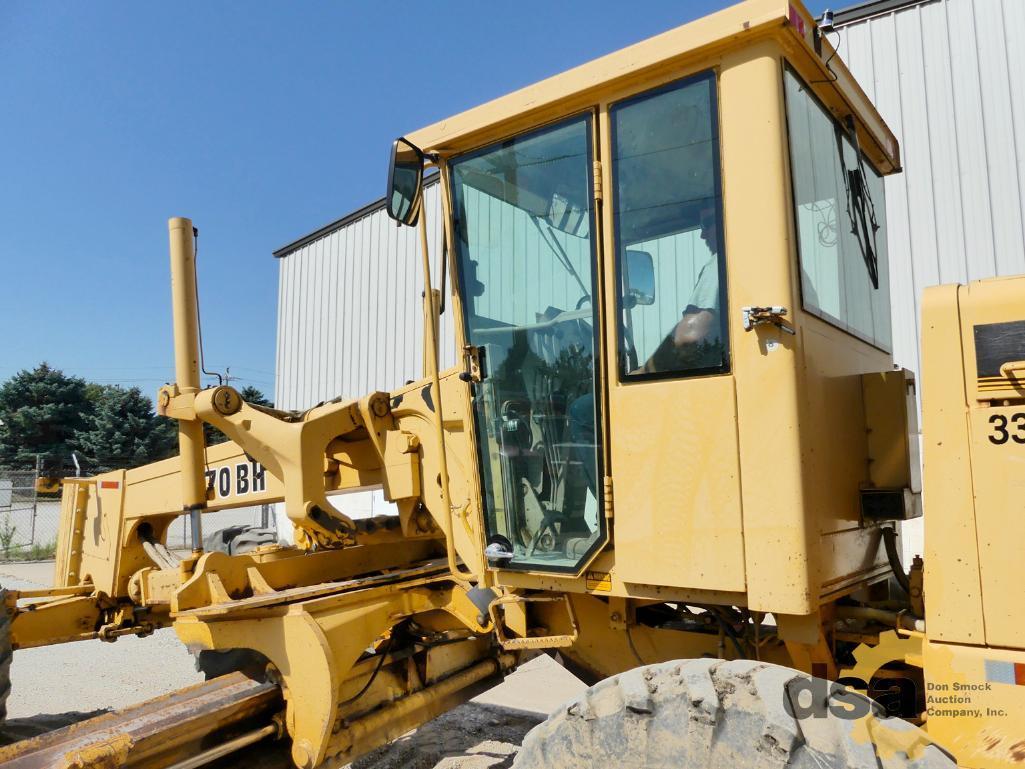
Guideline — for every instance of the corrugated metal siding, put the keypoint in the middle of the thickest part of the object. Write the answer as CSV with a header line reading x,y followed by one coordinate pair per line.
x,y
947,75
350,312
949,78
533,280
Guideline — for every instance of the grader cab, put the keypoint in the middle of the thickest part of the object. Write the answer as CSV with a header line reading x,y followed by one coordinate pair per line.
x,y
675,452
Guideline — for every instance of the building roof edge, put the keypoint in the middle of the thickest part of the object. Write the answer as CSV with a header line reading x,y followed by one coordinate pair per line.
x,y
337,224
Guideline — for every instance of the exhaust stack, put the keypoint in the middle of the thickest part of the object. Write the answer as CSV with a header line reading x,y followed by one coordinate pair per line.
x,y
191,444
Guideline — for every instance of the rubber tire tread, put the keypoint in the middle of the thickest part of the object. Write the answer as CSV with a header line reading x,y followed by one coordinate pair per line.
x,y
711,714
6,655
235,540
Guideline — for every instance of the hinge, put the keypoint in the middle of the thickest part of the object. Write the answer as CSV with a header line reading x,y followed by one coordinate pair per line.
x,y
597,181
607,495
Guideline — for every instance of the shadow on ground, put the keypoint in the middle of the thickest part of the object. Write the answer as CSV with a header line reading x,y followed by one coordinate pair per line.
x,y
472,736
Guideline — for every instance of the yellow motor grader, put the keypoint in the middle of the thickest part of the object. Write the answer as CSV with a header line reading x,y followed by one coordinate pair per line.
x,y
676,453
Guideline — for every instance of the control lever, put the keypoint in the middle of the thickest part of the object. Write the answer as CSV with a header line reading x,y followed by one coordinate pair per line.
x,y
757,316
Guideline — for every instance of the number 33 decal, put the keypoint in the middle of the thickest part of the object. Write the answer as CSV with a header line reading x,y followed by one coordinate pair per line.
x,y
1001,434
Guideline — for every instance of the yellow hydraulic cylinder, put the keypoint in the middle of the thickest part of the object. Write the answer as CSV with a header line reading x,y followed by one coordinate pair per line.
x,y
186,367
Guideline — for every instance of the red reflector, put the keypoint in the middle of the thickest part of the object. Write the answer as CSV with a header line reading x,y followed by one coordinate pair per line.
x,y
797,20
110,484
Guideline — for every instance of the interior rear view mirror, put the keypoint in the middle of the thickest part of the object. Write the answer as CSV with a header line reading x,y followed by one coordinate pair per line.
x,y
565,215
405,182
639,278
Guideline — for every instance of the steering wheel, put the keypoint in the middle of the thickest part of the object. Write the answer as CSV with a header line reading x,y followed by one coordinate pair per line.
x,y
629,346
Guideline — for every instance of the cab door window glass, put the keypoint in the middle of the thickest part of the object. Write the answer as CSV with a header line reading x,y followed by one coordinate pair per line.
x,y
526,252
669,232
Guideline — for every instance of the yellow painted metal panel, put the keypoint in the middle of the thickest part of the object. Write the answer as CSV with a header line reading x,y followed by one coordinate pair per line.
x,y
996,424
835,457
998,469
765,361
832,364
952,583
975,703
684,530
891,416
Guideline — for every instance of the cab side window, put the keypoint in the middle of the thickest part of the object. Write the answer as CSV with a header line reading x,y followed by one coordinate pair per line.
x,y
840,213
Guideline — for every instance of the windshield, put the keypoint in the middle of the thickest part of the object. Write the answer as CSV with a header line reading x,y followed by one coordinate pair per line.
x,y
524,226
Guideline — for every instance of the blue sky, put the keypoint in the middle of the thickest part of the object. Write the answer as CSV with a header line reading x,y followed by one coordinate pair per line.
x,y
261,121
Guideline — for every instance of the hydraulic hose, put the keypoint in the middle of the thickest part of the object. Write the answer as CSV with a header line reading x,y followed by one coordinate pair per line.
x,y
890,542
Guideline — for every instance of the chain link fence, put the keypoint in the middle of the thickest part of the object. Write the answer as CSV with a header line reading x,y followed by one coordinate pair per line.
x,y
28,520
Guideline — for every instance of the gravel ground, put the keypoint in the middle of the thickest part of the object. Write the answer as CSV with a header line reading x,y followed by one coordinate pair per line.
x,y
92,675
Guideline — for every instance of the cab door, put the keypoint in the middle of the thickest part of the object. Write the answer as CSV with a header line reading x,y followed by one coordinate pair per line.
x,y
527,251
673,445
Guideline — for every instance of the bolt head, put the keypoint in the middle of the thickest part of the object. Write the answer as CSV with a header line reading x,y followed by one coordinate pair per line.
x,y
302,754
227,401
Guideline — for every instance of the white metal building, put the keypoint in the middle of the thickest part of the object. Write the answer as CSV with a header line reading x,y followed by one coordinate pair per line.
x,y
350,306
947,75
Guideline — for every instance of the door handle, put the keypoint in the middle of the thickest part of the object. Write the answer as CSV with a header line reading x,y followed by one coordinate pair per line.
x,y
756,316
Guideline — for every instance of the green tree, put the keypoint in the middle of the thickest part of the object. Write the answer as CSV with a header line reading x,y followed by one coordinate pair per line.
x,y
251,395
123,431
94,391
41,410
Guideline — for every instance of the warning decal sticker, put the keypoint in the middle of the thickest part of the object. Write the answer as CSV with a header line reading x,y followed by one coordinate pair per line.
x,y
598,580
995,345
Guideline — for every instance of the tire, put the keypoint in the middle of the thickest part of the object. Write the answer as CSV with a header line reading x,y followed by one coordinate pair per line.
x,y
234,540
6,655
710,714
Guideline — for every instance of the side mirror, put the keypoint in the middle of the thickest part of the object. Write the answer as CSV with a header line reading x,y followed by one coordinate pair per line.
x,y
405,182
639,279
